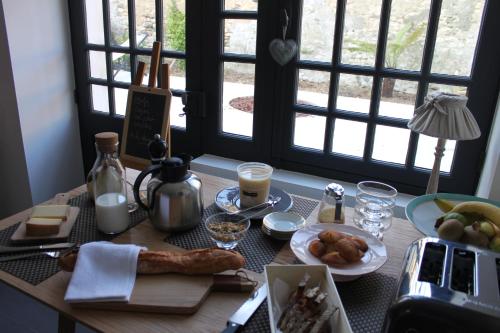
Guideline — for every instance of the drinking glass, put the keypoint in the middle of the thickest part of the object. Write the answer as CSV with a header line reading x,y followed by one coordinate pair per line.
x,y
374,207
254,179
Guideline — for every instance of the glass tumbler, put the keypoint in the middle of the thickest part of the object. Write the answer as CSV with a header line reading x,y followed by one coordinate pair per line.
x,y
374,207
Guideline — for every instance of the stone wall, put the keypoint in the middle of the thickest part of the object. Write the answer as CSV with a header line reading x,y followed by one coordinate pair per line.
x,y
458,29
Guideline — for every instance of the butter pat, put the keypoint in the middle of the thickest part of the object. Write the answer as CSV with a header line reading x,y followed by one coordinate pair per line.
x,y
42,226
51,212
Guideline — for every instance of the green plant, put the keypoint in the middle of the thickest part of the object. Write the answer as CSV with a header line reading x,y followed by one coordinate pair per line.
x,y
401,42
176,32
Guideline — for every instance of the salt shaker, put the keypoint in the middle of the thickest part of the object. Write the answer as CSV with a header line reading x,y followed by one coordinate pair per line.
x,y
331,209
109,186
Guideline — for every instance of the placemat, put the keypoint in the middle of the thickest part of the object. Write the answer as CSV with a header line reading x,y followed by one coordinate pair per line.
x,y
37,269
257,248
366,301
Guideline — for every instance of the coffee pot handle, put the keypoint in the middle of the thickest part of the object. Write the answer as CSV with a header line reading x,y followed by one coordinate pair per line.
x,y
138,182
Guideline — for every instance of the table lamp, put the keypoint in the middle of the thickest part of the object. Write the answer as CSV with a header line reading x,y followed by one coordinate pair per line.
x,y
443,116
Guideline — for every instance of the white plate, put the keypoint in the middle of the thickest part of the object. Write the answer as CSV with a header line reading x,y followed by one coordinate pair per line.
x,y
282,222
373,259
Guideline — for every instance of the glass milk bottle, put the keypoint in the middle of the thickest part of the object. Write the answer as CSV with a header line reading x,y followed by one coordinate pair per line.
x,y
109,186
331,209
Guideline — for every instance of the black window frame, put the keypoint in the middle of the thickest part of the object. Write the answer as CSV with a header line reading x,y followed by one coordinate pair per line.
x,y
276,86
407,178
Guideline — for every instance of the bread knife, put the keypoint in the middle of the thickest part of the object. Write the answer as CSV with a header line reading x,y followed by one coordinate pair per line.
x,y
241,316
13,249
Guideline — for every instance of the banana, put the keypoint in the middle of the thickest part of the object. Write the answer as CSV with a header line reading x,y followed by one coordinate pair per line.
x,y
444,205
484,209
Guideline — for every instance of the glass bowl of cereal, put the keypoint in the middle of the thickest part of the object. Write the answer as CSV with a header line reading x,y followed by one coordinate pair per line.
x,y
226,229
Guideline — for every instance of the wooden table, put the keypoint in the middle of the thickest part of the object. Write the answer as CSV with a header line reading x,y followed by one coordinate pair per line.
x,y
218,307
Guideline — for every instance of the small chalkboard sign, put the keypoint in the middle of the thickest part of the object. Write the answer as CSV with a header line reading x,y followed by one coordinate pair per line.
x,y
147,114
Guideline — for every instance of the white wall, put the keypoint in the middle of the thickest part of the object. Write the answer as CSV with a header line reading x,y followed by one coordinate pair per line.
x,y
15,194
489,184
40,52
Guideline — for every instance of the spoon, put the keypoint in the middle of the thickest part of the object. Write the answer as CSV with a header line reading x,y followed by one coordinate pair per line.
x,y
269,203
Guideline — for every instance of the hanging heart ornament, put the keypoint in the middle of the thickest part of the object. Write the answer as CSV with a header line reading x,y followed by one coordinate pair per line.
x,y
283,51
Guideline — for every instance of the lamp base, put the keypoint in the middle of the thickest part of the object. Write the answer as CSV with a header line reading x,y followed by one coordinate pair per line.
x,y
432,185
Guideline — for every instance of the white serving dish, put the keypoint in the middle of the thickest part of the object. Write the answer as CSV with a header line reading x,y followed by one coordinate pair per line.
x,y
282,280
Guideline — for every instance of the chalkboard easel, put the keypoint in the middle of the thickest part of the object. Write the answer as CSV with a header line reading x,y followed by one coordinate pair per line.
x,y
147,114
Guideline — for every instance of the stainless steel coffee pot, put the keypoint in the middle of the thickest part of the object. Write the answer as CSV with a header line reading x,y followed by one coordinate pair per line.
x,y
174,197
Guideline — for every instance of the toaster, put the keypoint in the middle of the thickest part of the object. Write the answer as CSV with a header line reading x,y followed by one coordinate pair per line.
x,y
446,287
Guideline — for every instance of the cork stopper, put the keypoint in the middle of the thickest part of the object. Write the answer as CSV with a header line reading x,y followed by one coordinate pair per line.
x,y
107,142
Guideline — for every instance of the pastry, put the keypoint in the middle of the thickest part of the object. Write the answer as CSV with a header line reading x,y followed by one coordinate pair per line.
x,y
330,236
317,248
337,249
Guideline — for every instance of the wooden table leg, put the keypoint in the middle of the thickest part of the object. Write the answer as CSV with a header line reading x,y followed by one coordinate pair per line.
x,y
65,324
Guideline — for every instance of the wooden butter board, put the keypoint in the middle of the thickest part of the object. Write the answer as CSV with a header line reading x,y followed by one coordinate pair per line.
x,y
162,293
19,236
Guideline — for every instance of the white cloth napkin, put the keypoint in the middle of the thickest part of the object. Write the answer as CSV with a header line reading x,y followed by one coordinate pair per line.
x,y
103,272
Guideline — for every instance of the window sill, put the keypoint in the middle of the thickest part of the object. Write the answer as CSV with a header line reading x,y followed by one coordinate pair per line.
x,y
292,182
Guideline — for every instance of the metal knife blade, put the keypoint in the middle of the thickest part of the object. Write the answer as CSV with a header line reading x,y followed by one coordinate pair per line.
x,y
13,249
22,256
240,317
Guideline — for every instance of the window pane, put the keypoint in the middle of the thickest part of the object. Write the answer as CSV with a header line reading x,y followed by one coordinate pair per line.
x,y
407,28
174,25
425,153
100,98
95,22
313,87
318,25
237,98
121,96
354,93
118,11
177,117
240,5
309,131
145,23
349,137
177,73
240,36
361,32
391,144
457,36
398,98
121,67
97,64
457,90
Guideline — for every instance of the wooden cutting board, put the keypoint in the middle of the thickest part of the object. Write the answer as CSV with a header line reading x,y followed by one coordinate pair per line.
x,y
19,236
162,293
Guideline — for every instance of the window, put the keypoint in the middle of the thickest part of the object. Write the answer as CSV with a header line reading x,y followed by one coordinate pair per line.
x,y
339,109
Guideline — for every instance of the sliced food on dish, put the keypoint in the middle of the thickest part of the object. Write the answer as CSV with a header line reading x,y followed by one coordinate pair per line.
x,y
357,253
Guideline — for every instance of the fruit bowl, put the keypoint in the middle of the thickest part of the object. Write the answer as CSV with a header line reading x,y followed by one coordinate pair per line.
x,y
457,217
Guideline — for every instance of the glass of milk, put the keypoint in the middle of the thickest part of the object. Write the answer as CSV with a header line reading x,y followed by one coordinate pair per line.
x,y
254,181
109,186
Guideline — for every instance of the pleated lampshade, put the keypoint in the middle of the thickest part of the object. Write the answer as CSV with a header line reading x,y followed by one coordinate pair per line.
x,y
445,116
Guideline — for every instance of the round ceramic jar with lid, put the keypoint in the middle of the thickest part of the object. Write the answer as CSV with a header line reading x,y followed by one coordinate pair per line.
x,y
331,209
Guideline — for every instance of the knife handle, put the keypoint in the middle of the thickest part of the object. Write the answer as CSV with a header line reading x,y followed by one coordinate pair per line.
x,y
231,328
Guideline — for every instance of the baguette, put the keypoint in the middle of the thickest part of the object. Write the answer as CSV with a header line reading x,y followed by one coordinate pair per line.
x,y
201,261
